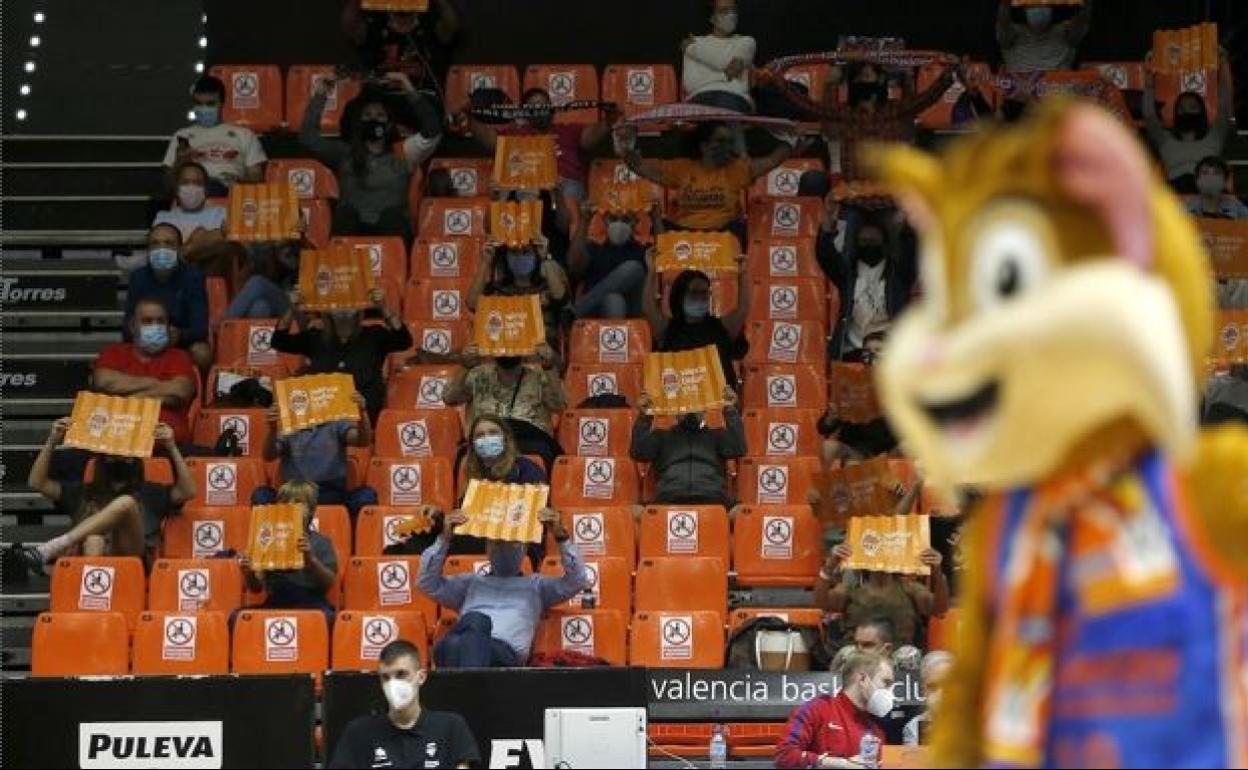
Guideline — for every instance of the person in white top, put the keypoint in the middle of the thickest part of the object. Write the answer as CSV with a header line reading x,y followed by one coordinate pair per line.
x,y
230,153
1041,43
716,69
202,224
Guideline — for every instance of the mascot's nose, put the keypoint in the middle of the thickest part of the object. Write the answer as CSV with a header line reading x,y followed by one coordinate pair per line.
x,y
933,355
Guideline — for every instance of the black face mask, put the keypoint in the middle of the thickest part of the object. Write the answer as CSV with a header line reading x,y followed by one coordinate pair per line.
x,y
863,92
1193,122
871,253
374,130
508,362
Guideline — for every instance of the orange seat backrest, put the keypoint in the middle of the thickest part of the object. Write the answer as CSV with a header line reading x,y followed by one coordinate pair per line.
x,y
438,337
436,299
776,480
606,171
609,342
789,299
682,583
785,217
453,217
359,637
375,528
782,432
597,432
301,82
419,387
783,257
566,83
594,480
334,522
783,180
463,79
280,642
247,342
610,582
192,585
585,380
250,425
798,616
598,632
387,256
201,531
638,88
253,95
445,257
470,176
80,644
418,433
693,639
412,481
684,530
784,386
603,531
218,298
786,342
776,545
311,178
317,219
225,480
99,584
386,583
180,644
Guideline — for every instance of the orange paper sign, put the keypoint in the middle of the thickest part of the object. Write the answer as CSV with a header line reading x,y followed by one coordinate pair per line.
x,y
508,326
687,250
632,195
525,162
515,223
853,393
889,544
264,212
417,6
685,381
337,278
1176,51
499,511
1227,243
1231,345
113,425
305,402
861,489
273,541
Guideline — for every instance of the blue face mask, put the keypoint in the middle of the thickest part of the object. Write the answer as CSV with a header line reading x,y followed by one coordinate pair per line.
x,y
1039,17
505,558
207,115
162,258
153,338
696,309
489,447
521,262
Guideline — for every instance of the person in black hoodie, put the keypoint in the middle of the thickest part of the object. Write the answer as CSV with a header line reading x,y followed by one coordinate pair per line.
x,y
689,459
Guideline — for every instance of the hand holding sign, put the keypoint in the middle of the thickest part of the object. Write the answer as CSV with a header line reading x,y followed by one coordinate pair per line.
x,y
306,402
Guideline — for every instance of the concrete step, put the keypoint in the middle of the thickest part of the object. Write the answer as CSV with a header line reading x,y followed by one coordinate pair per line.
x,y
83,149
89,178
83,212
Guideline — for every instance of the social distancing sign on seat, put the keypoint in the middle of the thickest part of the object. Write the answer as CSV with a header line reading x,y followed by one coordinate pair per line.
x,y
305,402
515,223
508,326
861,489
853,394
273,542
337,278
113,425
889,544
264,212
685,381
525,162
710,252
499,511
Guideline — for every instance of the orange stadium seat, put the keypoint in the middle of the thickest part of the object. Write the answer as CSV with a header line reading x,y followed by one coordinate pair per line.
x,y
360,636
280,642
386,583
225,480
253,95
774,545
99,584
782,181
776,480
191,585
454,217
419,387
600,633
470,176
311,178
609,342
80,644
180,644
317,219
248,342
785,217
566,83
375,527
942,632
439,337
786,342
684,530
596,432
445,257
201,531
218,298
610,582
606,171
387,256
462,564
436,299
783,257
693,639
940,115
798,616
594,379
301,81
593,481
412,481
682,583
418,433
782,432
273,372
639,88
250,425
789,299
334,522
463,79
784,386
603,532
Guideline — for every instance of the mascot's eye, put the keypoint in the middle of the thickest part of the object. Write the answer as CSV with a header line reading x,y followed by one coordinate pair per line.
x,y
1007,278
1009,260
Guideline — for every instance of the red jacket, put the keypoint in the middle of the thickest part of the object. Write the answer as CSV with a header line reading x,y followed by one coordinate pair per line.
x,y
826,725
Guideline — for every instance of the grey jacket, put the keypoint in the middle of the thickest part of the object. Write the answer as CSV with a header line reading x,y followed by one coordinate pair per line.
x,y
689,464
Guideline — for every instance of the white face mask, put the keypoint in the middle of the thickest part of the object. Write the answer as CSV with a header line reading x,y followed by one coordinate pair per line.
x,y
191,196
880,704
399,693
725,23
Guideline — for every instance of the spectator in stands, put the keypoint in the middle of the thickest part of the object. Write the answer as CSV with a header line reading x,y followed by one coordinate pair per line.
x,y
201,224
1193,136
874,635
904,601
319,455
934,671
150,367
612,274
1032,39
230,153
690,459
407,735
498,612
117,512
717,67
846,441
180,287
828,731
692,325
343,344
875,274
708,185
1213,200
515,271
493,455
265,293
306,588
415,44
526,398
372,177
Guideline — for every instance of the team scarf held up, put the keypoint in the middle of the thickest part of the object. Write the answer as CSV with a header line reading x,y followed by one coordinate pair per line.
x,y
530,111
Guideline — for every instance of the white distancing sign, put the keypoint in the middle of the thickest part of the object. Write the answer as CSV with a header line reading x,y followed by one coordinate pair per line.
x,y
464,180
179,639
446,305
682,531
374,257
207,538
773,484
562,86
405,483
331,100
622,174
444,259
589,533
782,302
640,85
786,341
481,80
96,590
781,390
430,392
613,344
801,78
260,350
599,480
783,181
482,567
303,180
390,530
576,632
376,631
786,219
245,90
414,438
221,479
436,339
281,638
194,588
601,383
782,260
782,438
595,585
676,637
457,221
777,537
240,424
394,583
593,437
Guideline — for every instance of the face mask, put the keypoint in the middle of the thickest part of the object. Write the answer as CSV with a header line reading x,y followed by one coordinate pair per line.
x,y
691,422
619,232
374,130
162,258
1190,122
190,196
1039,17
871,253
399,693
207,115
725,23
505,559
1211,184
696,309
880,704
489,447
521,262
153,338
507,362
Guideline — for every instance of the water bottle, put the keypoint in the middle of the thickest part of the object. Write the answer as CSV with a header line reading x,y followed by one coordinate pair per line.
x,y
719,747
869,750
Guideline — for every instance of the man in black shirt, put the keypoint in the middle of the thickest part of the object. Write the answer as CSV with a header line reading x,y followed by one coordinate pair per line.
x,y
407,736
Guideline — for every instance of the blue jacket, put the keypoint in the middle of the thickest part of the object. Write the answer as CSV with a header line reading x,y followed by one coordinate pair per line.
x,y
185,296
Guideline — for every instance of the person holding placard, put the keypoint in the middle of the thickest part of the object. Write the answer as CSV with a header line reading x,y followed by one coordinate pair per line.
x,y
690,459
1194,135
513,271
1039,37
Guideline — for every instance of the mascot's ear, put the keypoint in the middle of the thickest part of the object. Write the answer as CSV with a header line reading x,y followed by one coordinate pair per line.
x,y
913,176
1100,165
